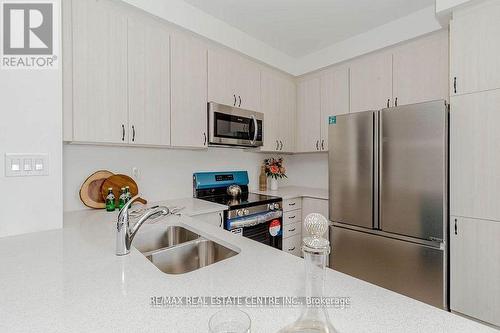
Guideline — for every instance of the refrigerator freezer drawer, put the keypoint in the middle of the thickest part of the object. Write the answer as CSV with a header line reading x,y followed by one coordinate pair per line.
x,y
411,269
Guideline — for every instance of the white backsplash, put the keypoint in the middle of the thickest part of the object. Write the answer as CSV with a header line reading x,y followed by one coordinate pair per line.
x,y
167,173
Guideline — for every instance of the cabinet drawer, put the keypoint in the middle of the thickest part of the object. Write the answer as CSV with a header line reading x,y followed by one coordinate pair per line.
x,y
292,204
293,216
292,245
293,229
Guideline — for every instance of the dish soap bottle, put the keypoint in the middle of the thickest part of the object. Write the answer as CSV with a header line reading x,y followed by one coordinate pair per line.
x,y
314,319
110,201
263,179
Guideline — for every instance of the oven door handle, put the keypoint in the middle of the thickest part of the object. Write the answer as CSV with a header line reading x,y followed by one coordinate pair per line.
x,y
255,131
251,221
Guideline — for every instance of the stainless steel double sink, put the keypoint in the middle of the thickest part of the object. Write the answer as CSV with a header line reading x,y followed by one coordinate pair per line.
x,y
177,250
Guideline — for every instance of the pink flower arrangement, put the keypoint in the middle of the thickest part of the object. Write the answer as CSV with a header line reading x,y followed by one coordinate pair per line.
x,y
275,168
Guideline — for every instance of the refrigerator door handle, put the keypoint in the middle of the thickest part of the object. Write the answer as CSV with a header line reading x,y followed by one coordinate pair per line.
x,y
377,128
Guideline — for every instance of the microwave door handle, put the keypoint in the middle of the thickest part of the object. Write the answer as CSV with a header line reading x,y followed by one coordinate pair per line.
x,y
255,130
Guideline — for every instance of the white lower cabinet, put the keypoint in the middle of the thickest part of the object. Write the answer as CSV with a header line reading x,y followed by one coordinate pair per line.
x,y
216,219
292,226
292,245
475,269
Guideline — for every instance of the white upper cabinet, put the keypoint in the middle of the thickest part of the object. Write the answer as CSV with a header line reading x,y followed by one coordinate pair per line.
x,y
474,38
475,155
278,106
148,83
233,80
475,272
371,82
308,115
420,70
189,92
334,98
99,72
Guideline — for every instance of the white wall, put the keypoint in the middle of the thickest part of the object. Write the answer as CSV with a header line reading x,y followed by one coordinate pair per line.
x,y
167,173
31,113
164,173
310,170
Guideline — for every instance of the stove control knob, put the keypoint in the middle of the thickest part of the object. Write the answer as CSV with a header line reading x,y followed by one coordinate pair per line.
x,y
271,206
246,211
277,206
239,212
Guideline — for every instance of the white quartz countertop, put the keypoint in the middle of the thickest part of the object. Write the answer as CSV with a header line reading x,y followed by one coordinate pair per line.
x,y
70,280
289,192
193,206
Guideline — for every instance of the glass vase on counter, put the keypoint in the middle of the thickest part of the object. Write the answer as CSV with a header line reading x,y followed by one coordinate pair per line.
x,y
314,318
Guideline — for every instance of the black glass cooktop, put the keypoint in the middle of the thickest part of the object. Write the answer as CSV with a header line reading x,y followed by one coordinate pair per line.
x,y
246,200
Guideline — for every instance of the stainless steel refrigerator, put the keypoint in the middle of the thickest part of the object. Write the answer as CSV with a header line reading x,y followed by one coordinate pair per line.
x,y
388,183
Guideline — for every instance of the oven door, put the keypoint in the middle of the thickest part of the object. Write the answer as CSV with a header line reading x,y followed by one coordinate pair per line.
x,y
263,233
234,127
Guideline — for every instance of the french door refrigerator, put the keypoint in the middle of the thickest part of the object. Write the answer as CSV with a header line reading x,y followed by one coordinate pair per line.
x,y
388,184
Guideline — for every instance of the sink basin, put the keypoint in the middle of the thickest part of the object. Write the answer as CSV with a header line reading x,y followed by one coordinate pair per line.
x,y
162,238
189,256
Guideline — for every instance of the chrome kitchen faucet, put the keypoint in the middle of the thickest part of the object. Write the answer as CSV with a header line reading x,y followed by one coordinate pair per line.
x,y
125,234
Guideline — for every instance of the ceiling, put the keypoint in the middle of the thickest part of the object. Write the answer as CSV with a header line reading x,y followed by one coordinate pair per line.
x,y
301,27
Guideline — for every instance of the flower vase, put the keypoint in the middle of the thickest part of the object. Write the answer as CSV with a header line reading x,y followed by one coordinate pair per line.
x,y
274,184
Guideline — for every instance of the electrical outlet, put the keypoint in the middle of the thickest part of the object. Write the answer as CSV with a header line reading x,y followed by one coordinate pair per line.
x,y
135,173
26,165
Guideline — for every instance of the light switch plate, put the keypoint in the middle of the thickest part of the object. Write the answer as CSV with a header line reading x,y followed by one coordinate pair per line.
x,y
16,165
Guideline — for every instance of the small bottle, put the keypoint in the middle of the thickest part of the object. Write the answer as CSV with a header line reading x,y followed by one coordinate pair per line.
x,y
128,195
110,201
263,179
122,199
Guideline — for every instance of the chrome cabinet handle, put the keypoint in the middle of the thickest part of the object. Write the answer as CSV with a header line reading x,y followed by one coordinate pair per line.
x,y
234,104
317,145
455,84
323,144
240,101
281,148
204,138
396,102
456,227
291,204
123,132
292,217
133,133
221,220
291,230
277,145
292,249
388,102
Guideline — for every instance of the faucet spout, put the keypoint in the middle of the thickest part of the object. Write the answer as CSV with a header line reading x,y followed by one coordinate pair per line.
x,y
125,234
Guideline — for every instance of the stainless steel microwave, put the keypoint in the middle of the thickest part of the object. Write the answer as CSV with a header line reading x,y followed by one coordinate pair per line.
x,y
231,126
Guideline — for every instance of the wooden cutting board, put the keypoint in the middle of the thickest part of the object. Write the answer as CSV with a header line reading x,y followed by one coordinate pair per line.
x,y
117,182
90,191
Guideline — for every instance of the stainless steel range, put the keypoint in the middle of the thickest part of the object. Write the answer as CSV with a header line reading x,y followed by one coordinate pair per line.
x,y
256,216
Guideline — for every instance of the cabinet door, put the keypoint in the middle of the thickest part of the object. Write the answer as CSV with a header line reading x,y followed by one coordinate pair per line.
x,y
148,83
308,115
99,72
247,84
421,70
475,155
475,269
287,116
189,92
271,96
334,98
474,45
222,68
371,82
